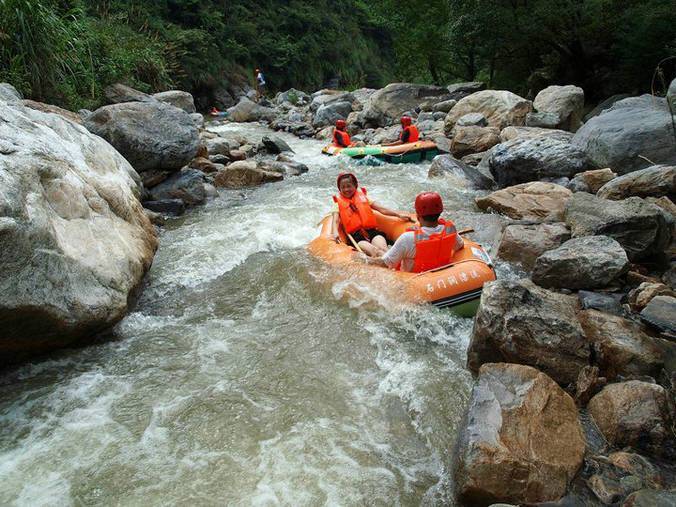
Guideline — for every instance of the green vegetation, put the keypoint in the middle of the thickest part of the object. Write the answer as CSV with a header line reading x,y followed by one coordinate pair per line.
x,y
605,46
66,51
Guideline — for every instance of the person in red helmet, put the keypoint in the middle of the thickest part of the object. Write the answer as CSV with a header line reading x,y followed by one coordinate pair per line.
x,y
340,137
355,216
409,132
427,246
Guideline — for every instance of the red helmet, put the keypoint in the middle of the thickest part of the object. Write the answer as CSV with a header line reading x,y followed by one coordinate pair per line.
x,y
428,203
405,121
344,175
340,124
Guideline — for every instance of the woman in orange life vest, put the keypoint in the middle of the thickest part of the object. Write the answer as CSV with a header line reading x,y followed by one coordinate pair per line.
x,y
340,137
428,246
409,132
355,215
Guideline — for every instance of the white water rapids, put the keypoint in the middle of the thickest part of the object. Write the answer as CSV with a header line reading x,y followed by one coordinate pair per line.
x,y
248,373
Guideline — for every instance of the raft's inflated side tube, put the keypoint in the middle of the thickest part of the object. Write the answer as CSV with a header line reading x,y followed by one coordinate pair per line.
x,y
409,152
456,286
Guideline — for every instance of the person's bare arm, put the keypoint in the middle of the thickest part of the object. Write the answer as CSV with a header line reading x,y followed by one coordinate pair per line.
x,y
390,213
459,244
335,221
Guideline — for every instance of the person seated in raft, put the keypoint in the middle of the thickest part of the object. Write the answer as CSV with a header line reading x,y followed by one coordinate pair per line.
x,y
340,136
409,132
355,214
430,245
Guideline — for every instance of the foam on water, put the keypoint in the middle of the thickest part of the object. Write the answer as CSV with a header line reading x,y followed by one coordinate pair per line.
x,y
249,372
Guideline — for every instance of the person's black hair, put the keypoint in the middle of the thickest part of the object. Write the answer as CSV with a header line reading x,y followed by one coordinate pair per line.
x,y
431,218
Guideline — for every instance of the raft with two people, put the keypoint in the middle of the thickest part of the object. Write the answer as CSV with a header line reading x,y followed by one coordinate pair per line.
x,y
408,153
456,286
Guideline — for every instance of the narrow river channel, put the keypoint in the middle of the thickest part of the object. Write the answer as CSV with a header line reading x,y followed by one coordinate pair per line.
x,y
248,373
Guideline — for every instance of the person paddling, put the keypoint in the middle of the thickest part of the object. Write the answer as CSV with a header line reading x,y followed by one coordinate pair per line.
x,y
340,136
409,132
355,215
430,245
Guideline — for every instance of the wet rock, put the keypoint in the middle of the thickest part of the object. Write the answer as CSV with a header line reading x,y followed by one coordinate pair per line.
x,y
461,90
221,146
641,228
525,243
247,111
644,293
177,98
621,348
588,384
187,185
631,127
48,108
245,174
388,104
654,181
150,135
509,133
166,206
487,228
543,120
467,140
519,322
205,165
284,168
536,201
154,217
660,313
75,240
591,181
444,107
523,160
8,93
328,114
567,102
237,155
119,93
472,120
443,143
634,414
651,498
590,262
603,105
197,120
523,441
220,159
154,177
606,303
275,145
447,165
475,159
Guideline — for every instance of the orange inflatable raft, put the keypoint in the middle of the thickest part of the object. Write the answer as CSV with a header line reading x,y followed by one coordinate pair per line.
x,y
456,286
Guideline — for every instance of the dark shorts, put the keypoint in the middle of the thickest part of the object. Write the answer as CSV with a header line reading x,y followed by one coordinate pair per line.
x,y
371,233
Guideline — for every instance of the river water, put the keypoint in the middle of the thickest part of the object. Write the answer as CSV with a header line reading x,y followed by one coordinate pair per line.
x,y
249,373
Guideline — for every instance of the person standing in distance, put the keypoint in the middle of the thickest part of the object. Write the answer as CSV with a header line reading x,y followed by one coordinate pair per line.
x,y
260,84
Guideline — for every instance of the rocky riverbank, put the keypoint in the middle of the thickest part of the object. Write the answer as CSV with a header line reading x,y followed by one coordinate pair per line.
x,y
574,363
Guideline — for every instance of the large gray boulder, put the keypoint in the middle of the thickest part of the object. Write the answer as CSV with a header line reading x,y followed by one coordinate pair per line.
x,y
671,96
565,101
461,90
654,181
603,105
590,262
522,442
632,128
329,97
245,173
150,135
327,114
76,242
537,201
501,108
525,243
186,185
660,313
119,93
621,347
466,175
388,104
635,414
511,132
591,181
640,227
519,322
8,93
248,111
177,98
523,160
473,139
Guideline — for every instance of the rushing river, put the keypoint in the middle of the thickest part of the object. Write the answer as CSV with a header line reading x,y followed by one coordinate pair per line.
x,y
248,373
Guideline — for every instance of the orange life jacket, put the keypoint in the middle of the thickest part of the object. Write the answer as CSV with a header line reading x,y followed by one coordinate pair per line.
x,y
341,138
356,213
413,134
434,250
